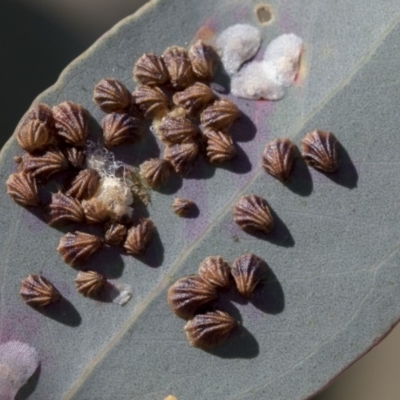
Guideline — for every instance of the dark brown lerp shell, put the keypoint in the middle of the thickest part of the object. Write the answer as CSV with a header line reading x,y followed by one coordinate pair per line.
x,y
139,236
34,136
89,283
77,247
65,209
190,293
112,96
220,115
210,329
220,147
115,234
72,123
36,290
194,98
179,67
252,213
182,207
248,271
216,271
278,158
84,185
155,171
151,101
320,151
23,189
181,156
119,129
150,70
204,60
174,130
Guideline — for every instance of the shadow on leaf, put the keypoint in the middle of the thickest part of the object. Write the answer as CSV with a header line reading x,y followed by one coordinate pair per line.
x,y
28,389
300,181
154,254
107,261
63,312
240,164
243,129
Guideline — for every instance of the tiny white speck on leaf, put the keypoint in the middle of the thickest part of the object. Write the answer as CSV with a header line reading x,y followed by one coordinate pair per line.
x,y
121,293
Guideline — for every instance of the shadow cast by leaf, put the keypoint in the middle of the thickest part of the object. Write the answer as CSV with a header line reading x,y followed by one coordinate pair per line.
x,y
268,296
347,174
300,181
154,254
28,389
63,312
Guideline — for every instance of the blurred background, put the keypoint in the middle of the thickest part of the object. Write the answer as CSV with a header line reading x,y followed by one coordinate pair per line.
x,y
38,38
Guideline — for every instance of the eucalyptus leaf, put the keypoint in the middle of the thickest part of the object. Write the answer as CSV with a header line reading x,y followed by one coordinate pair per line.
x,y
334,253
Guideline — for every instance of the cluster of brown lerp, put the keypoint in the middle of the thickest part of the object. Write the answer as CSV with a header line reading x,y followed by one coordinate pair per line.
x,y
192,297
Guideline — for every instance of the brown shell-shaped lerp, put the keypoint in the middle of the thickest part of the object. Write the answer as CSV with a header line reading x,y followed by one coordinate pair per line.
x,y
89,283
181,156
220,115
139,236
72,123
194,98
150,70
151,101
76,157
278,158
36,290
45,165
210,329
173,130
115,234
76,247
203,59
248,271
216,271
119,129
155,172
112,96
190,293
182,207
84,185
179,67
64,209
43,113
95,211
252,213
34,136
220,146
23,189
320,150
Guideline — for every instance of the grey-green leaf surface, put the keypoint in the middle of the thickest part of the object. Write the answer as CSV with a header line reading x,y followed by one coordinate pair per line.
x,y
334,254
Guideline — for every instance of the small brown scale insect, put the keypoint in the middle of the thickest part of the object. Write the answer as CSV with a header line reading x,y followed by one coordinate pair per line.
x,y
183,207
179,67
76,247
34,136
320,151
112,96
278,158
248,271
155,172
84,185
64,209
36,290
203,59
190,293
72,123
220,115
95,211
252,213
23,189
194,98
150,70
76,157
181,156
119,129
220,147
89,283
216,271
176,130
115,234
151,101
210,329
139,236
